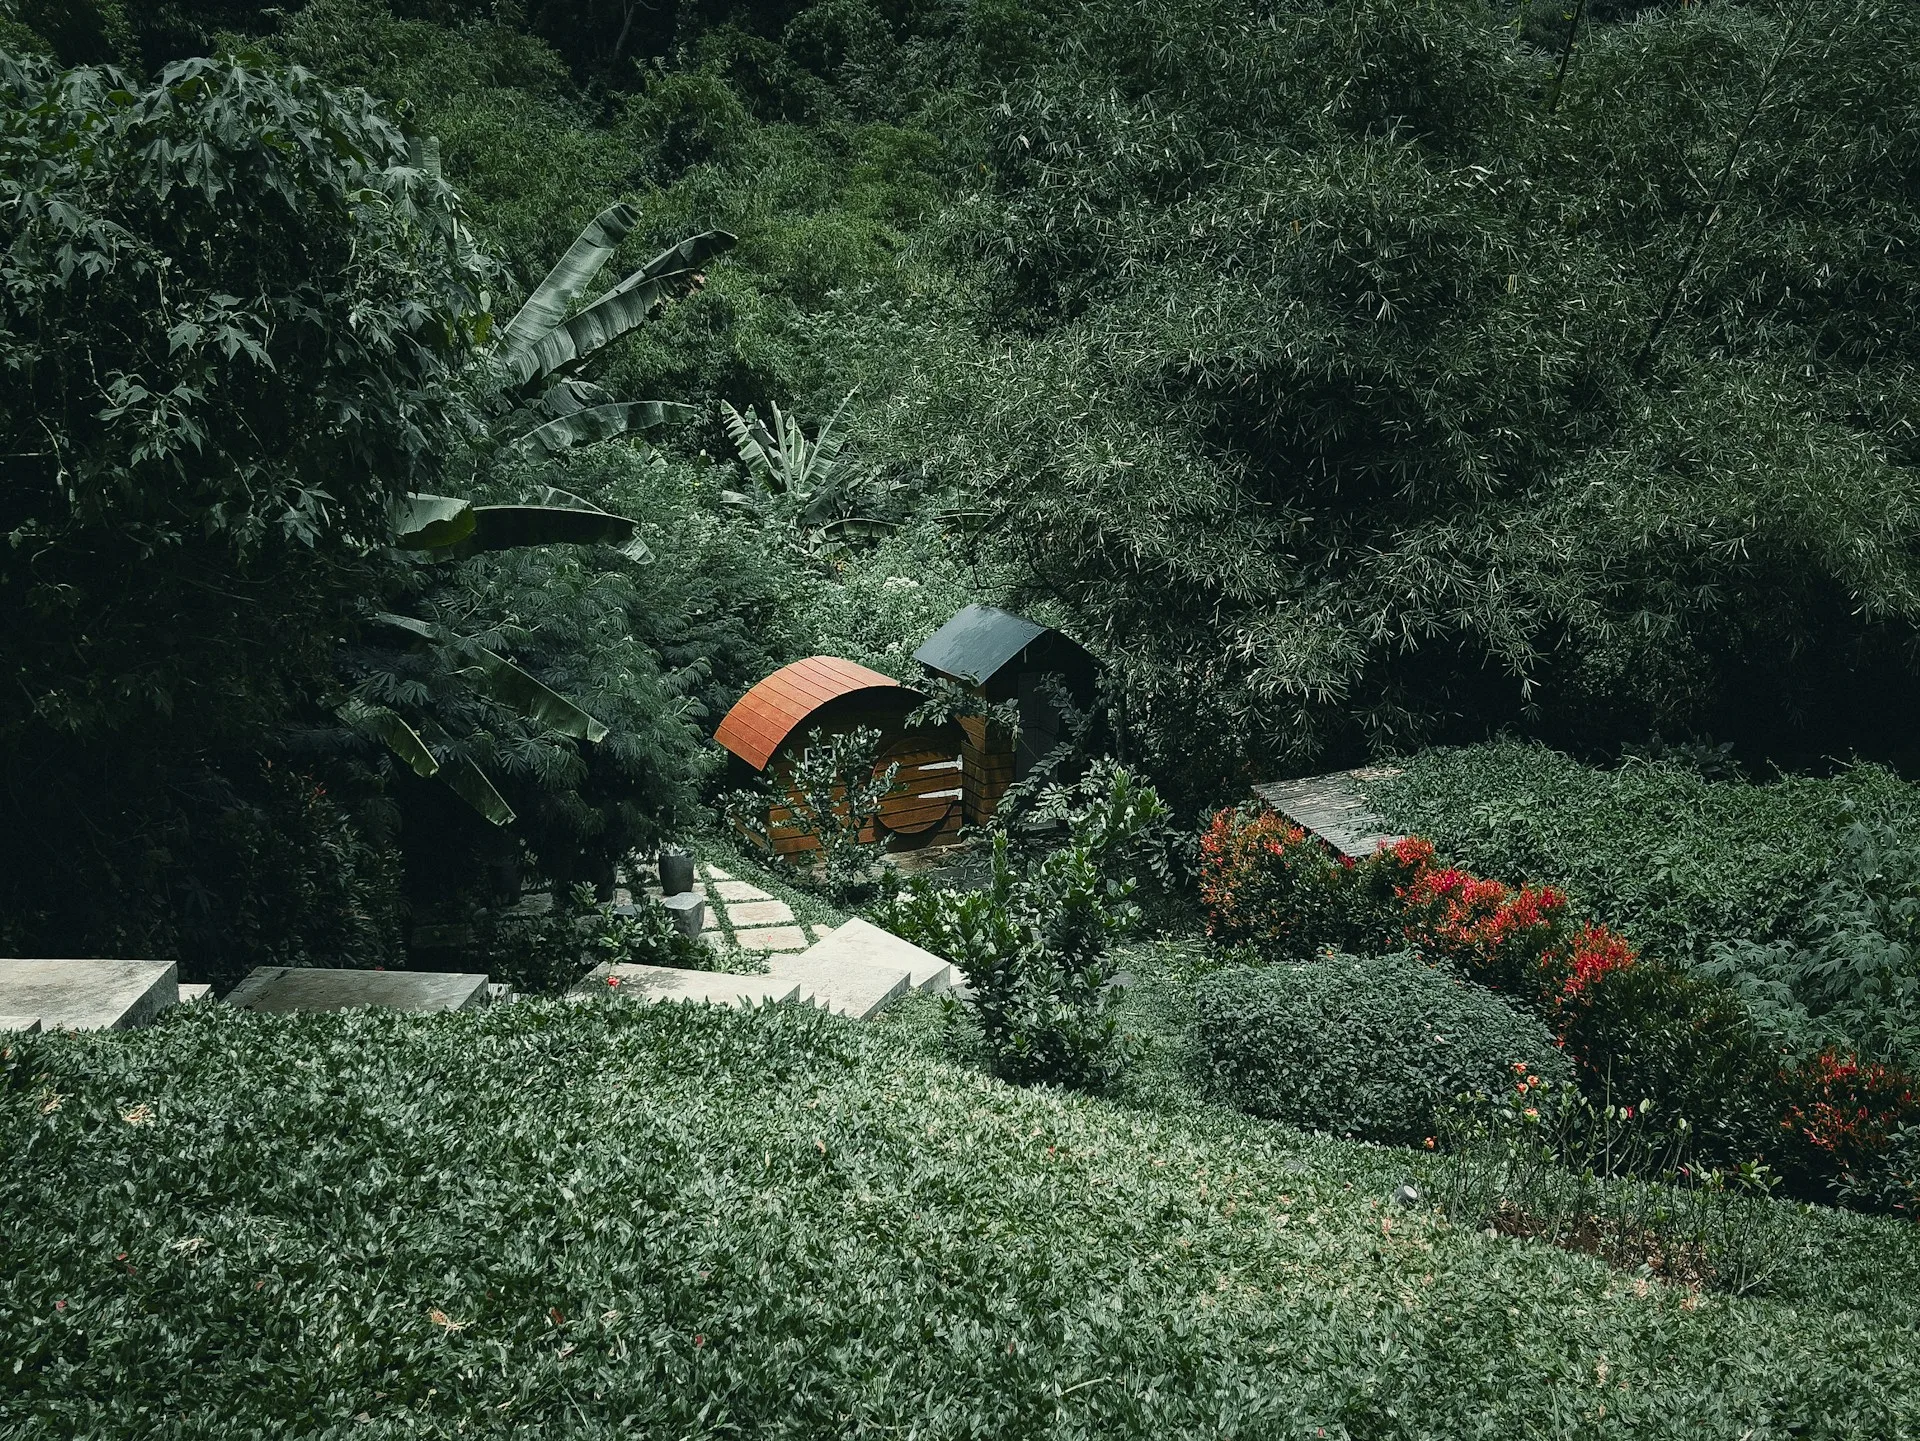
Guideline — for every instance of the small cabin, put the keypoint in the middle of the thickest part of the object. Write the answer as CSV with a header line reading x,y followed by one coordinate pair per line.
x,y
764,733
1006,657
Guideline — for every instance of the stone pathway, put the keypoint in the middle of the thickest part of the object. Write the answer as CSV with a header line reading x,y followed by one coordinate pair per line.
x,y
740,913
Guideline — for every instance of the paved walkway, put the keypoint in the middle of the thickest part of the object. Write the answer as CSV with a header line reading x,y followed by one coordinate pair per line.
x,y
741,914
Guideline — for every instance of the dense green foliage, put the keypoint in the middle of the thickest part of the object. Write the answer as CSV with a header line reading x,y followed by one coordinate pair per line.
x,y
1676,860
1035,944
1405,378
1799,894
1374,1048
233,312
588,1219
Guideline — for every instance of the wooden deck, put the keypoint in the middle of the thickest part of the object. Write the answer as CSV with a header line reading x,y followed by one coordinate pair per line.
x,y
1333,808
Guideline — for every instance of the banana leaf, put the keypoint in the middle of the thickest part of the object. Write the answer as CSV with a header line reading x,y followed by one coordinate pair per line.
x,y
620,310
574,272
513,687
399,737
431,522
599,422
470,783
504,527
407,623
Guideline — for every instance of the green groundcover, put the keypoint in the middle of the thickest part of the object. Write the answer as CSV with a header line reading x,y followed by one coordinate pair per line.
x,y
559,1219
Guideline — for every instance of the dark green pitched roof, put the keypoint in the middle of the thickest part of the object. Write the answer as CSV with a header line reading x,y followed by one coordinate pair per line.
x,y
977,642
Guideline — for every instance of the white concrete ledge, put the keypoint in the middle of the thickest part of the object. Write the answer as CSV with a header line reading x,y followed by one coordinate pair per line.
x,y
307,988
88,995
670,983
865,943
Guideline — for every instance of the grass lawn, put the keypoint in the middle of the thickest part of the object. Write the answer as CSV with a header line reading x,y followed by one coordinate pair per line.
x,y
597,1220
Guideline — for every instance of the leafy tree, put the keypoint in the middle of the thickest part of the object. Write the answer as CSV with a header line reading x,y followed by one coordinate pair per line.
x,y
1404,380
235,317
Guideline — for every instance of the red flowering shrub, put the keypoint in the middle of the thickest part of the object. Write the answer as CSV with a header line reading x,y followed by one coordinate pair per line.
x,y
1265,880
1835,1125
1515,941
1845,1115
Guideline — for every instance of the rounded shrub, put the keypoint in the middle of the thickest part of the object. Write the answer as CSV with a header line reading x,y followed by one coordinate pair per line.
x,y
1372,1048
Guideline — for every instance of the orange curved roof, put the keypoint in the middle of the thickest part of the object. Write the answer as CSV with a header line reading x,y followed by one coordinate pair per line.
x,y
766,715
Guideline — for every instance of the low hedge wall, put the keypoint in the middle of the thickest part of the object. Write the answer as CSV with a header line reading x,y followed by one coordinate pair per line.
x,y
1368,1048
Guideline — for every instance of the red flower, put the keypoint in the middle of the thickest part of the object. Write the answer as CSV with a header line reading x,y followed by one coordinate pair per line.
x,y
613,980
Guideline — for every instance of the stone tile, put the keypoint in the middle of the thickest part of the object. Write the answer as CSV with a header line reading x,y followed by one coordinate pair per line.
x,y
667,983
714,873
772,938
760,913
305,988
739,891
85,995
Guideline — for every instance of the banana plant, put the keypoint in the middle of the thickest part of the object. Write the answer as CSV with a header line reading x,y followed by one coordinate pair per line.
x,y
535,365
797,479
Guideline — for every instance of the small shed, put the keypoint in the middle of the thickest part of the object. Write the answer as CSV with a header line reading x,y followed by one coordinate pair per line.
x,y
1006,657
765,730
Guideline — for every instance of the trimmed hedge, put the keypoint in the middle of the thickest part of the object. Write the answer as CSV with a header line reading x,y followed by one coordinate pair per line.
x,y
596,1220
1368,1048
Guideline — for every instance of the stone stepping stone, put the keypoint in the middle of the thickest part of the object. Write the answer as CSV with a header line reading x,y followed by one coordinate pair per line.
x,y
845,987
771,938
667,983
714,873
308,988
1334,808
88,995
760,913
863,943
731,891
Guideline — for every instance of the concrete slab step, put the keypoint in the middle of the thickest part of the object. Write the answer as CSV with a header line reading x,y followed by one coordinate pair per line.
x,y
199,992
88,995
865,943
20,1025
309,988
845,987
668,983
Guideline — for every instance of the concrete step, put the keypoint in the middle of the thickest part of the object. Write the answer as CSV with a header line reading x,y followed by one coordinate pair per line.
x,y
20,1025
841,985
88,995
669,983
198,992
310,988
868,944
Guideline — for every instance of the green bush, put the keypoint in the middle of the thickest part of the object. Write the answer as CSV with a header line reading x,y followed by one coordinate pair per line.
x,y
1372,1048
1651,1031
1035,945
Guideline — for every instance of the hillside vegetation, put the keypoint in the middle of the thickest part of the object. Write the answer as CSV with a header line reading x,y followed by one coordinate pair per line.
x,y
587,1220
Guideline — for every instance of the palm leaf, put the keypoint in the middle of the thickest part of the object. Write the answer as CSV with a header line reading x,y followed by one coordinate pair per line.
x,y
574,273
513,687
599,422
620,310
385,726
431,522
